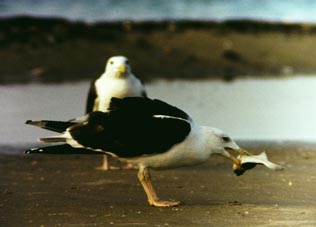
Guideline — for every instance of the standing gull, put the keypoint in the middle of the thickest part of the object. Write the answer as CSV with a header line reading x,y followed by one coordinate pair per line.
x,y
117,81
150,134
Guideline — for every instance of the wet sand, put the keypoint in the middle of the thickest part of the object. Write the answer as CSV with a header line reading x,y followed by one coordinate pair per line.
x,y
48,190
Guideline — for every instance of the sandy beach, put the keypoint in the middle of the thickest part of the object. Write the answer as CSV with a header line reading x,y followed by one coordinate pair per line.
x,y
66,191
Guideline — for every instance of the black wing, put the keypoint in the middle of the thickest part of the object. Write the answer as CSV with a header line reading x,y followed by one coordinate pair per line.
x,y
130,131
139,106
92,95
144,93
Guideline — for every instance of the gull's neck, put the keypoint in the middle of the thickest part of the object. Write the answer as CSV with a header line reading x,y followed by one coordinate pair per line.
x,y
208,135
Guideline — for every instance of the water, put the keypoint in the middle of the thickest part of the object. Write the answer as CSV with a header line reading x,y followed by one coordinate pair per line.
x,y
100,10
271,109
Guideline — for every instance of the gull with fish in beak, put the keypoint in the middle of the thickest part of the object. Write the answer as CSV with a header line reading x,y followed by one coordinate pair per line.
x,y
147,133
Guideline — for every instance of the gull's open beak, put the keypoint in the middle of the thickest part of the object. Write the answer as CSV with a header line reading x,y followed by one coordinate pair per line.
x,y
122,68
231,157
240,151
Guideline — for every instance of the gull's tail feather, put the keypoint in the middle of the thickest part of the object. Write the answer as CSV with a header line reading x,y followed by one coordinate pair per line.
x,y
56,126
56,139
61,149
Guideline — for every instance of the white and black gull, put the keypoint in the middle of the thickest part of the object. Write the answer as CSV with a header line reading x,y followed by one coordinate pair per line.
x,y
150,134
117,81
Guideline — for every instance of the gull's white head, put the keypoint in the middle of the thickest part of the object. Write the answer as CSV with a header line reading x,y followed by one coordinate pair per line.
x,y
117,66
220,143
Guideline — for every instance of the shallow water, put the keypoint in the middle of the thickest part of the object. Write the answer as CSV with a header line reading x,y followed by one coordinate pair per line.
x,y
276,109
271,109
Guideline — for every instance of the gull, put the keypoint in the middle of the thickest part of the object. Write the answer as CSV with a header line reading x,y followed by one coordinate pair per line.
x,y
147,133
117,81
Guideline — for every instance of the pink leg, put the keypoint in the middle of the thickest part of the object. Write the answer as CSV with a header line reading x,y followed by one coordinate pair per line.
x,y
144,178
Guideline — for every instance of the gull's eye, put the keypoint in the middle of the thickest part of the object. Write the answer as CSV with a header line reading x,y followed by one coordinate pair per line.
x,y
127,62
111,62
226,139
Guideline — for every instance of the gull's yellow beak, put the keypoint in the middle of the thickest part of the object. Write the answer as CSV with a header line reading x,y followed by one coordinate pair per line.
x,y
242,152
238,150
122,68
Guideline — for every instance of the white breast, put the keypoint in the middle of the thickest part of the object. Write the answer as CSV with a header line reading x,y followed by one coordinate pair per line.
x,y
108,87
